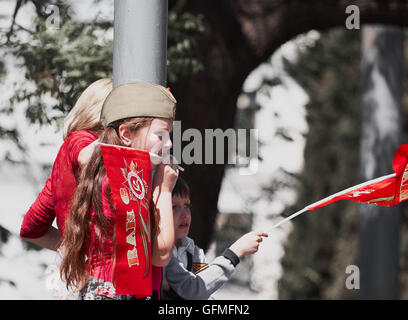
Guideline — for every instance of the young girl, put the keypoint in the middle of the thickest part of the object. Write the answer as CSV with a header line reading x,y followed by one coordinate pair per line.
x,y
136,115
188,275
81,128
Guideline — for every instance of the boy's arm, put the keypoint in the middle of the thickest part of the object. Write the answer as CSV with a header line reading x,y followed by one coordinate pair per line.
x,y
199,286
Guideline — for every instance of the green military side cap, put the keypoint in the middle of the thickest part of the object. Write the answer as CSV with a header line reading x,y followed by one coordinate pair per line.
x,y
138,99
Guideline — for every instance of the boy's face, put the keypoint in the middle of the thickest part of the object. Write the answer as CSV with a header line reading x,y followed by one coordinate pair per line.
x,y
181,216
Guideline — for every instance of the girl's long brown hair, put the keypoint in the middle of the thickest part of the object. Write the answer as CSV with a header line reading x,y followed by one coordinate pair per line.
x,y
77,235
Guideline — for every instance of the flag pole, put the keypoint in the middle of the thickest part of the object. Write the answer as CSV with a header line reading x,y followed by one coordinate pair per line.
x,y
140,41
289,218
329,198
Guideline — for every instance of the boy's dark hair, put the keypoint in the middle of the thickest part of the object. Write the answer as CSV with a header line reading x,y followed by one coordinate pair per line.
x,y
181,188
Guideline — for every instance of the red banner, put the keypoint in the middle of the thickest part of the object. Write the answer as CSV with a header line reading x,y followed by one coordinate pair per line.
x,y
129,174
385,191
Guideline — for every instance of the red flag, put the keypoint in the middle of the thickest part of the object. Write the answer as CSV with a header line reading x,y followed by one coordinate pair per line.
x,y
129,174
387,191
384,191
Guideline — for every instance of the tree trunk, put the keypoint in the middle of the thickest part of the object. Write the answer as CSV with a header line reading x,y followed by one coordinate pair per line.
x,y
239,36
381,135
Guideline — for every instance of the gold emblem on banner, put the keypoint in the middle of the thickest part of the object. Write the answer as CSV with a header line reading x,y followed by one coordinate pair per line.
x,y
135,188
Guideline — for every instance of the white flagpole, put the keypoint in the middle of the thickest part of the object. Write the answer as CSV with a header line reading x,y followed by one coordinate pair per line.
x,y
330,197
289,218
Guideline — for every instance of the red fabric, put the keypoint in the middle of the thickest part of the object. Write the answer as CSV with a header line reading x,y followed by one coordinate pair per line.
x,y
105,270
385,192
129,173
55,202
55,198
41,214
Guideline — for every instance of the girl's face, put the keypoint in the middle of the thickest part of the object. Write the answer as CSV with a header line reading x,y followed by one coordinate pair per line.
x,y
154,138
181,216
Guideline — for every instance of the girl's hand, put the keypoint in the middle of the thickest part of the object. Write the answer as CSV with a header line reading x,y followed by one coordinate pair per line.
x,y
248,243
166,175
86,153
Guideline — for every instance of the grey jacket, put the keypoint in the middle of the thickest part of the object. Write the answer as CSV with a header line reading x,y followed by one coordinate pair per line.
x,y
202,285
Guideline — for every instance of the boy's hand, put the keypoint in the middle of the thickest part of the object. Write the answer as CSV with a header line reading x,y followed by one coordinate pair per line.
x,y
248,243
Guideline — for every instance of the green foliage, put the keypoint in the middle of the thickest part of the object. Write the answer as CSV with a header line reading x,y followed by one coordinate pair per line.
x,y
62,61
183,35
324,242
2,64
2,70
4,234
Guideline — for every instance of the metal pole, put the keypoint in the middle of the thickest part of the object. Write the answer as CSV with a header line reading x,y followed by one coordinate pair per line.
x,y
140,41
